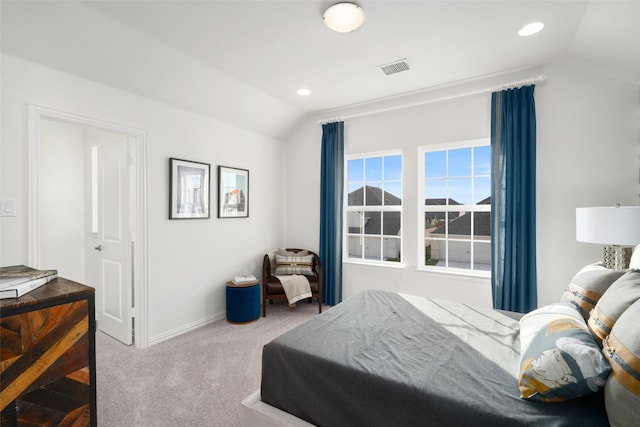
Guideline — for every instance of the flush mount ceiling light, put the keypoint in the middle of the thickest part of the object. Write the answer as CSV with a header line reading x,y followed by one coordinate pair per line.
x,y
343,17
530,29
304,92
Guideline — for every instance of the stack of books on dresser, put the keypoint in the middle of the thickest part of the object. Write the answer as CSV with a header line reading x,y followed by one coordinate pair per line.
x,y
18,280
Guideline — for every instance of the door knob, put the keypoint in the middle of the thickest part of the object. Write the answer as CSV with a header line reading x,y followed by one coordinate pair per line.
x,y
98,248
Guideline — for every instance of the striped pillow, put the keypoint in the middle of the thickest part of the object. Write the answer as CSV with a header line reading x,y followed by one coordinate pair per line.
x,y
622,350
294,265
624,292
588,285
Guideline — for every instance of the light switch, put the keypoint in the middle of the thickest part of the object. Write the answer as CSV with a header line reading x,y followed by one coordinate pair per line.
x,y
8,207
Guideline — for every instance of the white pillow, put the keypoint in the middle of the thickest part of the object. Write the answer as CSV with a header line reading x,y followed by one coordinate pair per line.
x,y
635,258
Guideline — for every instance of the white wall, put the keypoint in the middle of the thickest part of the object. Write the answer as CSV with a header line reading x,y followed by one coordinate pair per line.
x,y
586,155
190,261
61,199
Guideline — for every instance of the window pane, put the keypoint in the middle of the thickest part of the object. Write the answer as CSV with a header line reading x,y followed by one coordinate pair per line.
x,y
460,255
391,248
435,164
460,176
460,225
454,215
459,190
373,169
354,222
482,160
393,194
460,162
393,168
356,195
482,226
391,223
374,182
373,195
372,248
482,191
434,252
356,171
355,248
372,222
434,223
482,256
435,191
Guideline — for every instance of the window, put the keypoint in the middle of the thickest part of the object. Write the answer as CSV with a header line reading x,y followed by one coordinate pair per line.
x,y
455,206
373,212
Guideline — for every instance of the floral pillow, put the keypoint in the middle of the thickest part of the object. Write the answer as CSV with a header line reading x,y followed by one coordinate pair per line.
x,y
559,357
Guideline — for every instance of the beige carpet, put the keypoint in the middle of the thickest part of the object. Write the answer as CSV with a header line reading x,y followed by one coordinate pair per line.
x,y
196,379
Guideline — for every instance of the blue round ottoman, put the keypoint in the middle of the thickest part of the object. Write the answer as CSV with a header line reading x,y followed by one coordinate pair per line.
x,y
243,302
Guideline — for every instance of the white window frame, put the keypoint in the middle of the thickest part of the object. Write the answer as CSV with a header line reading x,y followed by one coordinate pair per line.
x,y
422,209
381,208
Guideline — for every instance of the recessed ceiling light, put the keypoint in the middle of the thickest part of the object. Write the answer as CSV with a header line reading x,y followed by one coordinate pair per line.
x,y
530,29
304,92
343,17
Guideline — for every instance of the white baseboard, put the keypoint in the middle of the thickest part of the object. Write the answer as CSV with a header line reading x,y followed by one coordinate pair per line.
x,y
186,328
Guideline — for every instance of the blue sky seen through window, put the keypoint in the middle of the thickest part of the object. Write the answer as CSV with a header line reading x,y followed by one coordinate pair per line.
x,y
382,172
448,174
462,175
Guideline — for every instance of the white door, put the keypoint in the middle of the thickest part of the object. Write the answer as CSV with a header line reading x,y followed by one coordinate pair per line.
x,y
113,249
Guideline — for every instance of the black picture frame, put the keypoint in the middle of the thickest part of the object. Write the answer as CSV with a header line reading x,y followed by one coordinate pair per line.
x,y
233,192
189,194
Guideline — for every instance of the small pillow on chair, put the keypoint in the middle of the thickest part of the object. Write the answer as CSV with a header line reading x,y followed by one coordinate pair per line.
x,y
285,252
294,265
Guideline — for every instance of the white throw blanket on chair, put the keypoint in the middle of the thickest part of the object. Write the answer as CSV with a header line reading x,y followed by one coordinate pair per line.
x,y
296,287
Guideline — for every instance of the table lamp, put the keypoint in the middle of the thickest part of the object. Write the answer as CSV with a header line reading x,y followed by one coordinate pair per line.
x,y
618,228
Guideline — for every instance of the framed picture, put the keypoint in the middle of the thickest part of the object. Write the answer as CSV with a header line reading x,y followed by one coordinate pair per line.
x,y
189,189
233,192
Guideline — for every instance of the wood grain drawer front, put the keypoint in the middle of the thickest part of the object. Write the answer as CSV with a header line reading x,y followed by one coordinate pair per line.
x,y
45,366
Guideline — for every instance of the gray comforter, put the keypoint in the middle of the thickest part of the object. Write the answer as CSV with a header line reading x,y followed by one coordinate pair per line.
x,y
383,359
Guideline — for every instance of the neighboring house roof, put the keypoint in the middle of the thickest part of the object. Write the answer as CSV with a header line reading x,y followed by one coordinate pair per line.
x,y
461,226
374,197
430,216
440,202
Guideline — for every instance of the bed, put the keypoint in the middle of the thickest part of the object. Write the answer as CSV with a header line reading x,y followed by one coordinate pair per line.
x,y
382,359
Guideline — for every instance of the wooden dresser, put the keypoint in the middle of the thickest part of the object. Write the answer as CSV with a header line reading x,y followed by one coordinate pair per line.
x,y
47,356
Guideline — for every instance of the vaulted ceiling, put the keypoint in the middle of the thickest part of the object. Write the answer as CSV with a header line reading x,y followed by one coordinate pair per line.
x,y
243,61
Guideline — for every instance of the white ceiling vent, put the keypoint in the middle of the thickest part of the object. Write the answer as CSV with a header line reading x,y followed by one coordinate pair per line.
x,y
395,67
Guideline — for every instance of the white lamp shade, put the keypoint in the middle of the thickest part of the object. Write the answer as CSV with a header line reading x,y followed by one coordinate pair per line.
x,y
343,17
609,225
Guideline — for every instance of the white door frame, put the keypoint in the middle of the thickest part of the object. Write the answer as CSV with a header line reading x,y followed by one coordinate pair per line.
x,y
140,259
